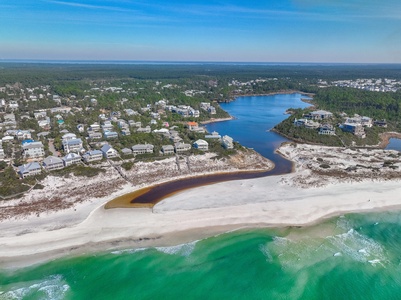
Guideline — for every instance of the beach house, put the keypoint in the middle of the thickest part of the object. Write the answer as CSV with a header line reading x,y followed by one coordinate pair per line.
x,y
52,163
108,151
29,169
201,145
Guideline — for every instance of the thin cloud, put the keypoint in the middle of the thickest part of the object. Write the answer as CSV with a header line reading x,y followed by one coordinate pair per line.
x,y
90,6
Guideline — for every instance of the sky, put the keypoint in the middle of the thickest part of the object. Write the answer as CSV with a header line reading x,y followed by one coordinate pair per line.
x,y
331,31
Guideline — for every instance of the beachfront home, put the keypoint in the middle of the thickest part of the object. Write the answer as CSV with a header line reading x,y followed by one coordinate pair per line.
x,y
52,163
182,147
71,159
93,155
167,149
327,129
126,151
142,148
29,169
228,142
108,151
201,145
353,128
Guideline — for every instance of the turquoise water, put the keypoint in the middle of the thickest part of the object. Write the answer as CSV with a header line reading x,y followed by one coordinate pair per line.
x,y
348,257
356,256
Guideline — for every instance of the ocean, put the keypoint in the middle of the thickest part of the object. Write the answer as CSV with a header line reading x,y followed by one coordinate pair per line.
x,y
355,256
348,257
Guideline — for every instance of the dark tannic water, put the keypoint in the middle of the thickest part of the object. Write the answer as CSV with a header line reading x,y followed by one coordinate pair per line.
x,y
356,256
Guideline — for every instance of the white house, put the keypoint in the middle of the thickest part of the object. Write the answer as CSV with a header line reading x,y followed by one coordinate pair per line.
x,y
33,149
227,142
29,169
142,148
167,149
108,151
52,163
201,145
71,158
182,147
72,145
93,155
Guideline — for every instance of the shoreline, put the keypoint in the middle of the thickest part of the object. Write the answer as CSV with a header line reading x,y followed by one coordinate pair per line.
x,y
271,94
125,201
178,220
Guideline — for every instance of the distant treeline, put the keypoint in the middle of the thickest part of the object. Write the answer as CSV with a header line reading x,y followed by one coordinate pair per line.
x,y
38,73
376,105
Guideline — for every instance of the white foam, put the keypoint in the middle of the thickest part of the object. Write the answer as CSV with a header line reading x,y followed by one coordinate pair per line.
x,y
53,288
266,253
182,249
128,251
357,246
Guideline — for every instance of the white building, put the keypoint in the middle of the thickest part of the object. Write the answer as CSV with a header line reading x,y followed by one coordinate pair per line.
x,y
108,151
33,149
227,142
201,145
71,159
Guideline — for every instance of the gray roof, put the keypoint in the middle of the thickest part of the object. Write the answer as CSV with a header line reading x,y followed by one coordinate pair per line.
x,y
142,146
106,148
94,152
71,156
51,160
73,142
33,145
126,150
29,167
167,147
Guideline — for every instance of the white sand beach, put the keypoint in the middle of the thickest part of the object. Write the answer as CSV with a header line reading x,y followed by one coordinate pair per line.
x,y
191,214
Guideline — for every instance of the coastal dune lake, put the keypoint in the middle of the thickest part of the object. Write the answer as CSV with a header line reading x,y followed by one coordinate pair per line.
x,y
355,256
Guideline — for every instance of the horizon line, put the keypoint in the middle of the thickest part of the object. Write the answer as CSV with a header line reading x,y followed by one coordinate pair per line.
x,y
79,61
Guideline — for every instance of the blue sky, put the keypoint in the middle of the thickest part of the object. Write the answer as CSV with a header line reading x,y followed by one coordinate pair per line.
x,y
354,31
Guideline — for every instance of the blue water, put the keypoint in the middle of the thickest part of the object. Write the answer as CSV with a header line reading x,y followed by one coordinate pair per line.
x,y
254,117
394,144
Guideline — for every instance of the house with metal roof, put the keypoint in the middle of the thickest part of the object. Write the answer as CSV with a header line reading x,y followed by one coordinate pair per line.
x,y
33,149
71,159
108,151
182,147
142,148
72,145
167,149
93,155
201,145
227,142
52,163
29,169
